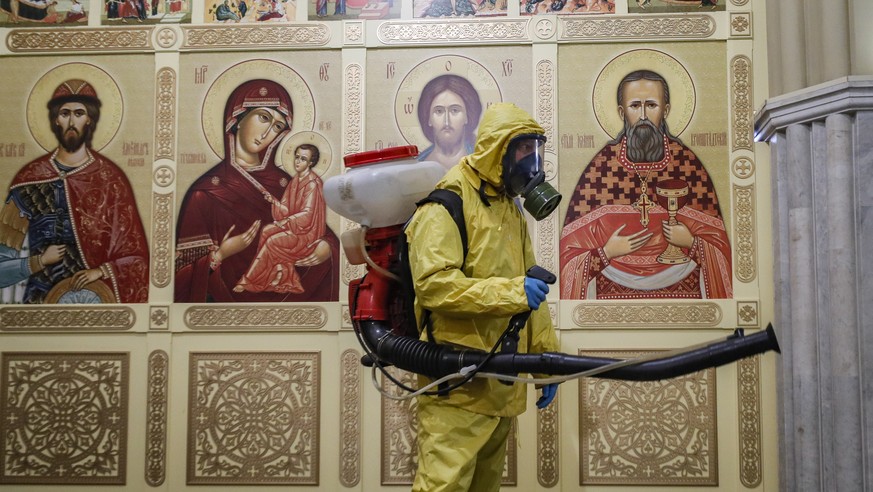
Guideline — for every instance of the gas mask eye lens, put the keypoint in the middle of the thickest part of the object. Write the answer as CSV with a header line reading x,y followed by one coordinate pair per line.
x,y
524,149
523,162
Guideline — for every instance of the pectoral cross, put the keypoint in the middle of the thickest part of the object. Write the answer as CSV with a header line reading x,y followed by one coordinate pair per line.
x,y
643,204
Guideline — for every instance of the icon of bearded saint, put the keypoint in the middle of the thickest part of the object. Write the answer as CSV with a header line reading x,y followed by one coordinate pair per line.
x,y
76,208
614,230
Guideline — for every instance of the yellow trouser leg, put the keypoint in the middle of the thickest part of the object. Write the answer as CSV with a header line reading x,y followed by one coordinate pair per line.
x,y
459,451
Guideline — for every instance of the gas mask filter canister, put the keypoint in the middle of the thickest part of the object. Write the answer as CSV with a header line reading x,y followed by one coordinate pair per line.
x,y
524,175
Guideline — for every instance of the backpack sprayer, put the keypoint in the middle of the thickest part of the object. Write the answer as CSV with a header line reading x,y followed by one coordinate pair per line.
x,y
380,191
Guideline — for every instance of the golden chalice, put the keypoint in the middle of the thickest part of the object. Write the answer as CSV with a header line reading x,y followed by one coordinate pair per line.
x,y
672,195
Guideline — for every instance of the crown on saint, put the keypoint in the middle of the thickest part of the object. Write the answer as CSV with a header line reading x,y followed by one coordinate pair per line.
x,y
74,88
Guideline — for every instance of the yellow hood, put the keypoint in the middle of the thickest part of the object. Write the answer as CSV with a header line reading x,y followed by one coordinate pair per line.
x,y
500,123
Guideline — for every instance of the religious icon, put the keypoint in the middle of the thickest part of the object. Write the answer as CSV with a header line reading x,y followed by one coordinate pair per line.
x,y
34,13
70,229
249,11
530,7
614,236
662,6
249,230
442,115
146,12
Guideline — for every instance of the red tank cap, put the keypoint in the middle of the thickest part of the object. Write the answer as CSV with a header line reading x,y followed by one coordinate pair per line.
x,y
374,156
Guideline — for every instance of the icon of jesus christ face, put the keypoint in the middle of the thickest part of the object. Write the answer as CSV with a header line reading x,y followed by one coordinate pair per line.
x,y
448,118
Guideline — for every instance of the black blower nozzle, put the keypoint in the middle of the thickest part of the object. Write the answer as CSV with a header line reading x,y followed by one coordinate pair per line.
x,y
435,360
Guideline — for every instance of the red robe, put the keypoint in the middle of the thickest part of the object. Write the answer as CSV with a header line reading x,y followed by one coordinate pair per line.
x,y
109,231
218,200
299,223
603,201
128,9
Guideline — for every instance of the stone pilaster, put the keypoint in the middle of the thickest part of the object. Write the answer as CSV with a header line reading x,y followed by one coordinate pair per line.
x,y
821,142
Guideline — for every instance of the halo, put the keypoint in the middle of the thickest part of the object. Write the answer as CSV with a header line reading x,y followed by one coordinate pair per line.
x,y
405,112
212,114
682,94
285,154
111,108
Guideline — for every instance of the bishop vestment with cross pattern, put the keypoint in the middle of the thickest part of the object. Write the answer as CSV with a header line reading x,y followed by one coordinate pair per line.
x,y
615,193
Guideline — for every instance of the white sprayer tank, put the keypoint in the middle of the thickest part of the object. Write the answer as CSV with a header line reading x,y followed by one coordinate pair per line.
x,y
380,187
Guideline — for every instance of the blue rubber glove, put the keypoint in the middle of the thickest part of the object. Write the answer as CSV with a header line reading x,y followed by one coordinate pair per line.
x,y
549,392
536,291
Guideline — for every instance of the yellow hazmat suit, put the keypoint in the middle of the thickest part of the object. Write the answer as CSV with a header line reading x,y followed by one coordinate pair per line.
x,y
462,437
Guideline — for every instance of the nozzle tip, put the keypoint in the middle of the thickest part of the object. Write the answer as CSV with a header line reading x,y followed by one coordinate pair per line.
x,y
771,334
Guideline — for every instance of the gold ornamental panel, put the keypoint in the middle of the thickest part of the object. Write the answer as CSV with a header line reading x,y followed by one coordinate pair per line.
x,y
162,237
255,317
549,444
546,95
253,418
64,418
353,31
748,314
79,40
350,419
165,114
156,418
457,31
741,24
547,235
746,232
614,28
749,400
743,167
256,37
53,318
354,106
399,431
741,102
159,317
648,433
650,314
166,37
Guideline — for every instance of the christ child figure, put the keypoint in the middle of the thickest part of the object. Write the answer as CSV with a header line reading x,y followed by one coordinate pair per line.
x,y
299,222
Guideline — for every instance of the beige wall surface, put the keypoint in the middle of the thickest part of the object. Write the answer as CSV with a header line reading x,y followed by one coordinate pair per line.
x,y
208,396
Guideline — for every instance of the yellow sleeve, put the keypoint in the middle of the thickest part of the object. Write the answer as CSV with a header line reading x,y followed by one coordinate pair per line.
x,y
436,256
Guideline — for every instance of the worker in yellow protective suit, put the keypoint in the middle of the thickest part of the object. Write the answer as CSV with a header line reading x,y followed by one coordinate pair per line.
x,y
462,436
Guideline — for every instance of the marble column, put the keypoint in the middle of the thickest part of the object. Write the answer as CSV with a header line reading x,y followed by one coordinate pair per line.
x,y
821,141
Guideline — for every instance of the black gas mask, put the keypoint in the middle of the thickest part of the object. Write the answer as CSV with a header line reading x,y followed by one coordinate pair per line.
x,y
524,175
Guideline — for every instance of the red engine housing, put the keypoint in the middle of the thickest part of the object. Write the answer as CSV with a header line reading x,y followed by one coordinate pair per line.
x,y
376,296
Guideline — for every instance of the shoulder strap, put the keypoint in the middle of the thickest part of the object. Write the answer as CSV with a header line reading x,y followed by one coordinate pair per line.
x,y
455,205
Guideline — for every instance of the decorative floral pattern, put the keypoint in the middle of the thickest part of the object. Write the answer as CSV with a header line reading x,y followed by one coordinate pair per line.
x,y
253,418
156,419
649,433
64,418
399,431
350,419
